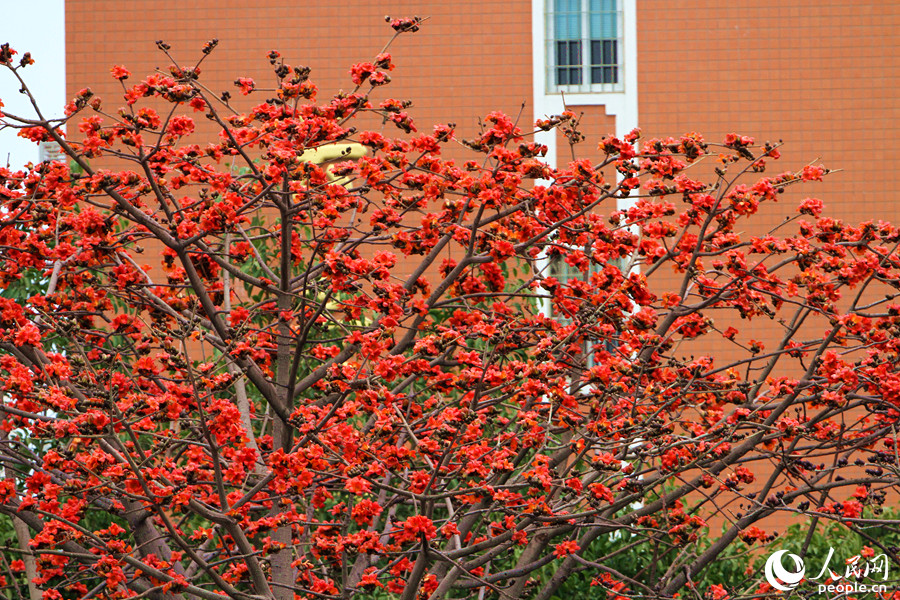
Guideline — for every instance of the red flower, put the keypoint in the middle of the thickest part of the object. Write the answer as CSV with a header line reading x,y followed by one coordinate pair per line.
x,y
415,526
180,126
364,511
198,104
246,84
383,61
361,71
408,24
813,173
28,335
119,72
357,485
566,548
811,206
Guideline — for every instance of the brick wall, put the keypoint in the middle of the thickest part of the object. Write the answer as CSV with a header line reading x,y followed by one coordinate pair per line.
x,y
470,57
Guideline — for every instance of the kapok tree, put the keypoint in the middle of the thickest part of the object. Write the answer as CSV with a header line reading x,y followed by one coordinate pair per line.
x,y
244,374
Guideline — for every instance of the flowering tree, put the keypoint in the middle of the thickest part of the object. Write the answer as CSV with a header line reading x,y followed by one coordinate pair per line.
x,y
247,374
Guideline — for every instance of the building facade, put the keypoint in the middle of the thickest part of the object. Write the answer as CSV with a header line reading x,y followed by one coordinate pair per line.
x,y
821,75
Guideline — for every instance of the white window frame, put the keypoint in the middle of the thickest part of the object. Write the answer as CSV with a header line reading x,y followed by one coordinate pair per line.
x,y
550,53
622,105
545,267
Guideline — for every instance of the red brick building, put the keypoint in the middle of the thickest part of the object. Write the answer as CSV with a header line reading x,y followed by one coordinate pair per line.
x,y
821,75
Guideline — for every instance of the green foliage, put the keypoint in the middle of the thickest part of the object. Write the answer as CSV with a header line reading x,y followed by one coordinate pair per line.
x,y
739,568
30,283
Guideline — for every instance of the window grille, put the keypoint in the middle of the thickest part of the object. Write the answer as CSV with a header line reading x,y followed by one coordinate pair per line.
x,y
584,46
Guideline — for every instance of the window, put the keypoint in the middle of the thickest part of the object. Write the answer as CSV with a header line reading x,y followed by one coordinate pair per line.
x,y
584,46
564,274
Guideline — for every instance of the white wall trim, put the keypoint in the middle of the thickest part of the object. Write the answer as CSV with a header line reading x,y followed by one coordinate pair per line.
x,y
622,105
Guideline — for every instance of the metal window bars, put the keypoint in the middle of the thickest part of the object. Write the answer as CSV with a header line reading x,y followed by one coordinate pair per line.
x,y
584,46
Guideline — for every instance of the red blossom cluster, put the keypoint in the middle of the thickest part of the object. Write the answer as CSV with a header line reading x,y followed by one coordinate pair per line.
x,y
406,373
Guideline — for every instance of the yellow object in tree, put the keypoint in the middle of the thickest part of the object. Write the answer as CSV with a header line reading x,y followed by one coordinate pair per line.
x,y
333,153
